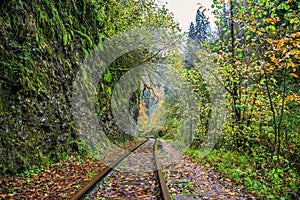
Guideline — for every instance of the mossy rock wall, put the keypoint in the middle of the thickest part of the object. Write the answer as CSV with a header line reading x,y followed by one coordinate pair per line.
x,y
41,47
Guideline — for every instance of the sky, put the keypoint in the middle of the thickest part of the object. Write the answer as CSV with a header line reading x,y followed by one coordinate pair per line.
x,y
185,11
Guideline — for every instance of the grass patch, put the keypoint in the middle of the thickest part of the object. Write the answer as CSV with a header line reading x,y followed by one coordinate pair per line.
x,y
254,174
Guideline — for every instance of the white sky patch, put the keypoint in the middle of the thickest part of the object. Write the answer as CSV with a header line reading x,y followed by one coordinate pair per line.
x,y
185,11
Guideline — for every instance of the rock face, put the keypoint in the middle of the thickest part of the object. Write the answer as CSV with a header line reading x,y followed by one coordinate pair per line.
x,y
42,44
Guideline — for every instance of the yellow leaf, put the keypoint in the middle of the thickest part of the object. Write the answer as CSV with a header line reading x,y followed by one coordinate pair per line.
x,y
274,60
6,195
258,32
294,75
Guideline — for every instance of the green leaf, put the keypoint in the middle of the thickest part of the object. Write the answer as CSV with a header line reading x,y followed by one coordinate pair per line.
x,y
240,55
107,77
271,28
214,48
285,6
108,90
65,40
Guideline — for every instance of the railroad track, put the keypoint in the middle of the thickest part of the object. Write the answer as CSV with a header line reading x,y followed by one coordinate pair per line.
x,y
134,175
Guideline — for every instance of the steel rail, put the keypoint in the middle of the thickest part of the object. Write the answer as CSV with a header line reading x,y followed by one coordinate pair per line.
x,y
162,183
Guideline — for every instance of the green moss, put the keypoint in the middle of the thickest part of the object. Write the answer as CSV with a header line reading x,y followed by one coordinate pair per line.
x,y
90,42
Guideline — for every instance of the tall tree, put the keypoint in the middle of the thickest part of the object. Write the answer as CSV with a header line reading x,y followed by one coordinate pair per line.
x,y
199,31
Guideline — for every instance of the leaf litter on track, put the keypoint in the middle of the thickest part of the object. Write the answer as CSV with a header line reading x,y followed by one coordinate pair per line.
x,y
189,180
59,180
